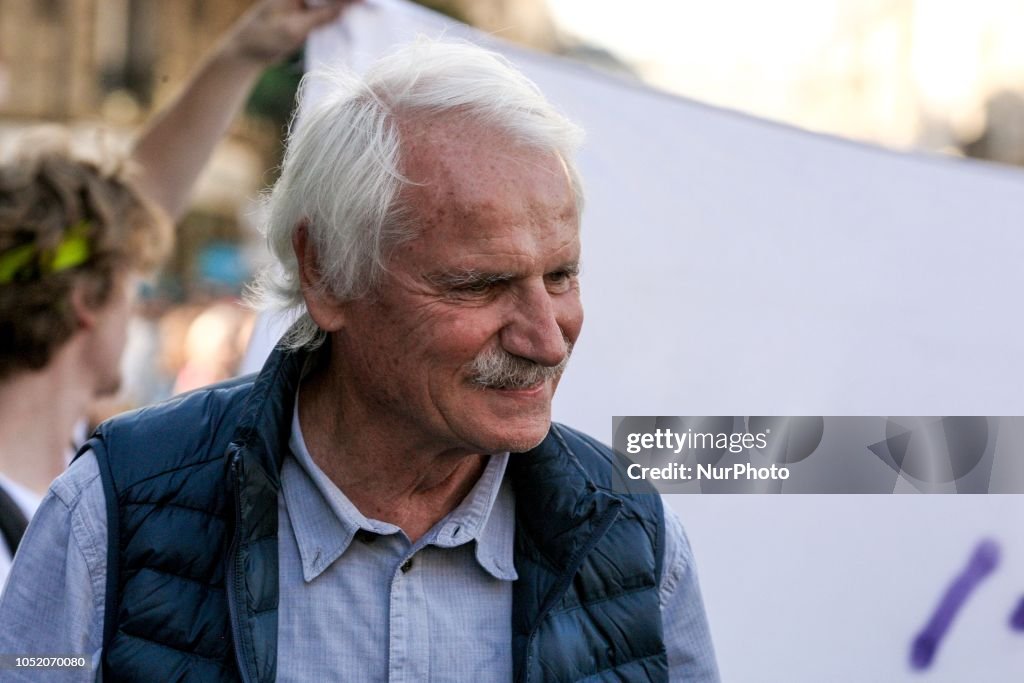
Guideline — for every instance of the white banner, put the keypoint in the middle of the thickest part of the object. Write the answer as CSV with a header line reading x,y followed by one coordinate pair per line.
x,y
734,266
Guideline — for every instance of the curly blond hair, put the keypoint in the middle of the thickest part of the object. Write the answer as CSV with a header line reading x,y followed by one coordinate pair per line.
x,y
49,196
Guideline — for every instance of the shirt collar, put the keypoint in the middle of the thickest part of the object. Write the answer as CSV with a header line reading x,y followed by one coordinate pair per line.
x,y
486,515
325,521
494,546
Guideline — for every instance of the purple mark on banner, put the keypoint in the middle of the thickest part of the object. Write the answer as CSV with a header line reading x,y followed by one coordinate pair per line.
x,y
982,563
1017,618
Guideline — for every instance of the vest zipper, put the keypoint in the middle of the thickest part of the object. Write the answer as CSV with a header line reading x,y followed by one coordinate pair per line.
x,y
233,581
562,585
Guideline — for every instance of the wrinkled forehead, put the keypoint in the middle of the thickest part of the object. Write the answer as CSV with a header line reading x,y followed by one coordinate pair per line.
x,y
454,163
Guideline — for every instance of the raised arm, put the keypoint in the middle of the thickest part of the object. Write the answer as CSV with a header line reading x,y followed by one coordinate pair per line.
x,y
178,141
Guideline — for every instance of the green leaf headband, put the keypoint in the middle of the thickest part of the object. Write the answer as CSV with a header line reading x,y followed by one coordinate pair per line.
x,y
25,262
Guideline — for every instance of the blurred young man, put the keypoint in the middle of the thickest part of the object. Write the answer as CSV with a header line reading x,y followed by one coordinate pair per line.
x,y
52,368
74,236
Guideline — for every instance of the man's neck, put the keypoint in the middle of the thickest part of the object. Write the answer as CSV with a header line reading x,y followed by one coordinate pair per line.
x,y
385,475
37,420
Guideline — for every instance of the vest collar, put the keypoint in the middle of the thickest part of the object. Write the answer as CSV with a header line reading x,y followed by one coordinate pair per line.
x,y
564,503
263,428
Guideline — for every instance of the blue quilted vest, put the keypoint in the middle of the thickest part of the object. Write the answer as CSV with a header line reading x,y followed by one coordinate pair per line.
x,y
192,586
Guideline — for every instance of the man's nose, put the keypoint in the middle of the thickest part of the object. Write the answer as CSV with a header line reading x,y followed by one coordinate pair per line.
x,y
533,331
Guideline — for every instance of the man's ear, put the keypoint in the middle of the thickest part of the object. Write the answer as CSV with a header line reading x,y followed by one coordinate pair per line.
x,y
324,308
86,316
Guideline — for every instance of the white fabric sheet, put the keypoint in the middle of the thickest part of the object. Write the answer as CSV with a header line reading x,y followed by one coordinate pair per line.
x,y
734,266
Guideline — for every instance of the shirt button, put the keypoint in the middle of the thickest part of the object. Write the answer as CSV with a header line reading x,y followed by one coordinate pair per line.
x,y
406,566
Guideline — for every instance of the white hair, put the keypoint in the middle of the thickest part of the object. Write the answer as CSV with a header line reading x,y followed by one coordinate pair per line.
x,y
341,175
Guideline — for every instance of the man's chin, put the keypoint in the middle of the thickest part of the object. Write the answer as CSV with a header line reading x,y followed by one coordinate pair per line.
x,y
499,422
521,439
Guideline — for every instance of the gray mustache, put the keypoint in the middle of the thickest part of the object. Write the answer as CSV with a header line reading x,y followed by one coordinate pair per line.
x,y
497,369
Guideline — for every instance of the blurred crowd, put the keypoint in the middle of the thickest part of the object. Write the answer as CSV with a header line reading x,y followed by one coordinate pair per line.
x,y
176,347
87,330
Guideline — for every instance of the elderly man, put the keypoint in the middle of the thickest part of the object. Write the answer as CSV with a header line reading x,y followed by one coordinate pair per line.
x,y
388,499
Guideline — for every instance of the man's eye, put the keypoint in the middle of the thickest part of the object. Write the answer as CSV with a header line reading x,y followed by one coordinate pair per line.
x,y
560,279
471,289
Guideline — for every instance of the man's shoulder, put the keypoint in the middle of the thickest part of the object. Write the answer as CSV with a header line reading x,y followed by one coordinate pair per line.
x,y
192,428
217,402
77,481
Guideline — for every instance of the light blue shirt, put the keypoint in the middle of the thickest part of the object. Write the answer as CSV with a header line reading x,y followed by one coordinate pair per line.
x,y
358,601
